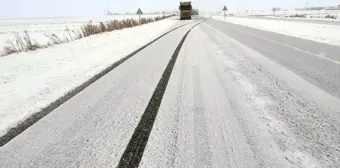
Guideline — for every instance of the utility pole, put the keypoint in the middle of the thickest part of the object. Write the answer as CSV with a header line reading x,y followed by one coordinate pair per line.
x,y
307,4
224,9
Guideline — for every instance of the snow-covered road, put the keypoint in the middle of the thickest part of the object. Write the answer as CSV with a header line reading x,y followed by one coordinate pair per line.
x,y
31,81
229,106
228,103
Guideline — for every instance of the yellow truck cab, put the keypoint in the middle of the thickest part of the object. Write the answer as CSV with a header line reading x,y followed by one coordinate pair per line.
x,y
185,9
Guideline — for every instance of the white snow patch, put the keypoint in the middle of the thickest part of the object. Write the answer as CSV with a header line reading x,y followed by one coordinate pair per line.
x,y
329,34
62,27
307,18
308,14
31,81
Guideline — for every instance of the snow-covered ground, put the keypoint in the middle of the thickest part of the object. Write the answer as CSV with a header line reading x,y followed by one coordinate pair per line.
x,y
323,33
307,13
30,81
326,15
307,18
37,27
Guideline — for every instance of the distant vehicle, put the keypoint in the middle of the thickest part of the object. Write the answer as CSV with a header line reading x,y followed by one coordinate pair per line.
x,y
194,12
185,9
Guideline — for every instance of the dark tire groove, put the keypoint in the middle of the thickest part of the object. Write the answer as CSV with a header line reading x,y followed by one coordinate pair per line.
x,y
134,151
21,127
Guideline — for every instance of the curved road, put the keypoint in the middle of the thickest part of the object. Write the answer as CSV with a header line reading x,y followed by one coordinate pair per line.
x,y
235,97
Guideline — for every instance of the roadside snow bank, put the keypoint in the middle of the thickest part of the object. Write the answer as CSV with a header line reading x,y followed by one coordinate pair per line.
x,y
31,81
323,33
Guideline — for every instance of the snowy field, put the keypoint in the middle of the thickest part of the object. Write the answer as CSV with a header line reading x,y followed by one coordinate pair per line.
x,y
30,81
329,34
37,27
291,12
309,14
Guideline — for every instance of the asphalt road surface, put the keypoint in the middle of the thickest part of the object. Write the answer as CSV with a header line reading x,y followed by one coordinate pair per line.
x,y
209,94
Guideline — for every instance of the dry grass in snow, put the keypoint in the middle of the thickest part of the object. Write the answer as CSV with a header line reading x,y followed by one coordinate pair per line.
x,y
22,43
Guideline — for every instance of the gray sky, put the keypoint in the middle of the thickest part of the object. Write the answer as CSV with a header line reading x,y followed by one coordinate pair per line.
x,y
60,8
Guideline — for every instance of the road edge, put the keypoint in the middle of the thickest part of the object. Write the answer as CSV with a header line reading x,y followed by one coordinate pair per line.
x,y
31,120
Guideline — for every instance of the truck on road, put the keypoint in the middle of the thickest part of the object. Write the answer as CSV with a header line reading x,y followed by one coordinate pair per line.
x,y
185,9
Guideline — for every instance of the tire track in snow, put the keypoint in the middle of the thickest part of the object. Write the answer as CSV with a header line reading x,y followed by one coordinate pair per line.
x,y
21,127
202,148
178,120
290,156
135,149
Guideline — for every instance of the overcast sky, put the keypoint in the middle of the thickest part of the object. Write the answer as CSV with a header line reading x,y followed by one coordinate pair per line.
x,y
60,8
